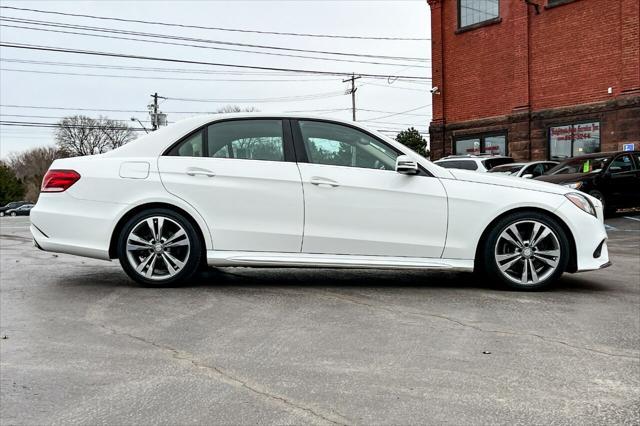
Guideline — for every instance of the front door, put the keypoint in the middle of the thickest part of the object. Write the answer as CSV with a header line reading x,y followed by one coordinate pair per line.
x,y
355,201
240,175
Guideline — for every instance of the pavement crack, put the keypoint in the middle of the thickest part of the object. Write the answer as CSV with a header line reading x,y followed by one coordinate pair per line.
x,y
225,377
472,326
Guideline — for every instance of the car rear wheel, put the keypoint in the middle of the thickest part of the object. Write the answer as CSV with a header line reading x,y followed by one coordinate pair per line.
x,y
159,247
1,214
526,251
13,214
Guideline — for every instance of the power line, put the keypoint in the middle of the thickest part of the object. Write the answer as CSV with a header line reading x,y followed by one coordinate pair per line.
x,y
199,46
55,125
165,78
399,113
203,40
186,61
169,24
307,97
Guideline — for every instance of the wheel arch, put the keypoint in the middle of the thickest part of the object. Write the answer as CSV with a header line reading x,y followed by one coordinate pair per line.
x,y
572,266
113,242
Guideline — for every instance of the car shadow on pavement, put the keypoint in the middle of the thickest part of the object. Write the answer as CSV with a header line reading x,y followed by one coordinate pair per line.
x,y
333,278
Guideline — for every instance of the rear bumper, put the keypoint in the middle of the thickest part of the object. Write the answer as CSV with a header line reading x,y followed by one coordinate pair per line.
x,y
63,224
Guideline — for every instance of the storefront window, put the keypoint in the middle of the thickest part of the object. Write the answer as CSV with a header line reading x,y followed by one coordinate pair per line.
x,y
574,139
484,144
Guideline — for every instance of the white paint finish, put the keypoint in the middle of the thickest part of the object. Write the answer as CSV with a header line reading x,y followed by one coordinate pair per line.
x,y
247,204
134,170
372,212
356,217
239,258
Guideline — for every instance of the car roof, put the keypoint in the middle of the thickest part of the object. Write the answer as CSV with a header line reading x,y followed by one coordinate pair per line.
x,y
601,154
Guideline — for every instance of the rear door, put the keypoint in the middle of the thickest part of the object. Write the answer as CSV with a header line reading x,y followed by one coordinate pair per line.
x,y
242,178
621,186
355,201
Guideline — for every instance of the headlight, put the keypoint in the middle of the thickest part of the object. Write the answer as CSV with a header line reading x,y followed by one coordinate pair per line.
x,y
581,202
574,185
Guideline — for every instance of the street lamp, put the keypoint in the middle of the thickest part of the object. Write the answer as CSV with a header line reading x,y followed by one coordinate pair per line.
x,y
141,125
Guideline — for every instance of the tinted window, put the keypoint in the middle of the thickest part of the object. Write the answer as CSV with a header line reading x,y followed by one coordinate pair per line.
x,y
490,163
334,144
190,147
581,165
474,11
459,164
623,163
247,140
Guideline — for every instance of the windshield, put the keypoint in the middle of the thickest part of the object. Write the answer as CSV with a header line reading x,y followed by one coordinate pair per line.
x,y
509,169
580,165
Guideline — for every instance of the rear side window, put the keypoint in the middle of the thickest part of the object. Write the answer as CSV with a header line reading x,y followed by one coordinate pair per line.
x,y
459,164
240,139
191,147
246,140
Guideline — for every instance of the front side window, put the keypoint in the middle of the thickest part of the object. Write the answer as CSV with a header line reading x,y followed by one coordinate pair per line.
x,y
472,12
482,144
621,164
337,145
574,139
247,140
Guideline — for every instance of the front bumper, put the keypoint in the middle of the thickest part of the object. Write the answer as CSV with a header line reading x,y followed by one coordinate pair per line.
x,y
589,235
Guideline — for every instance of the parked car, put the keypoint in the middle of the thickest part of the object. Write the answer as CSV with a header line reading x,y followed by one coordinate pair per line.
x,y
23,210
478,163
611,177
11,205
265,190
525,170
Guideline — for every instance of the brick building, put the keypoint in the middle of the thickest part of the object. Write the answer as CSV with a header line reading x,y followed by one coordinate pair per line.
x,y
535,79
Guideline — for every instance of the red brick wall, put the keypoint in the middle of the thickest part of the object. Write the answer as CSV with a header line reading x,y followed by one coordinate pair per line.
x,y
566,55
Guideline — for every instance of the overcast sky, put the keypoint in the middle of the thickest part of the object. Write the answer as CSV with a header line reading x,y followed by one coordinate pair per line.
x,y
404,19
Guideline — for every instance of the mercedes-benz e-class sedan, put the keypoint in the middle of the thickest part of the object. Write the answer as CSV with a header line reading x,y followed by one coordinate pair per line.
x,y
290,191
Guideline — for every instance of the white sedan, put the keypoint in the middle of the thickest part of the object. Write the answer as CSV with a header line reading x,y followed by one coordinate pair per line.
x,y
264,190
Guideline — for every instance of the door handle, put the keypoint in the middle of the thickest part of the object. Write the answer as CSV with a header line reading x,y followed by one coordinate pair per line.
x,y
196,171
320,181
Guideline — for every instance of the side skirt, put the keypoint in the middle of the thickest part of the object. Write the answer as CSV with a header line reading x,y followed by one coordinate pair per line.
x,y
310,260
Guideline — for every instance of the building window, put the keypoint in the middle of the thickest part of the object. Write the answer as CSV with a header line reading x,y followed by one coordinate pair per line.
x,y
574,139
482,144
471,12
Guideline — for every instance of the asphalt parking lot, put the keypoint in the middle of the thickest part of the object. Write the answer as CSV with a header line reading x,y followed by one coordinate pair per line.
x,y
83,344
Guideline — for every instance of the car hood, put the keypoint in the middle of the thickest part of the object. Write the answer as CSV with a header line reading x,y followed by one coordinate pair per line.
x,y
564,178
509,181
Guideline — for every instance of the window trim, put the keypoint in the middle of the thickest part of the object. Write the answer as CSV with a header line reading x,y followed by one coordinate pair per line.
x,y
482,137
572,123
301,149
287,138
490,21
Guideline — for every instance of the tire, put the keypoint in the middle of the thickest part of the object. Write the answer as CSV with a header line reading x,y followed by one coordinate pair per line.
x,y
608,211
505,254
13,214
1,214
170,259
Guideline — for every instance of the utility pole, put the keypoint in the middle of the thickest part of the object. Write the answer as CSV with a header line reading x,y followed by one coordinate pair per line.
x,y
157,117
353,89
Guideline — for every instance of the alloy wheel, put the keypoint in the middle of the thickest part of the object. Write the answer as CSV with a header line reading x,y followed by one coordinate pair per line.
x,y
527,252
158,248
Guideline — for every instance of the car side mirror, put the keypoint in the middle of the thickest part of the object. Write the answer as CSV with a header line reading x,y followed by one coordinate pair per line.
x,y
406,165
528,176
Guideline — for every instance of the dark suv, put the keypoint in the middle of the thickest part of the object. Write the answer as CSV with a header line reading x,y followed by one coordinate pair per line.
x,y
611,177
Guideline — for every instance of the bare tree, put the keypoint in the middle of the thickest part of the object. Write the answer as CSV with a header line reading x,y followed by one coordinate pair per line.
x,y
30,167
81,135
235,108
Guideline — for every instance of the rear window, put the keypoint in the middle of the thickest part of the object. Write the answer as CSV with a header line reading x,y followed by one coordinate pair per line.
x,y
459,164
490,163
507,169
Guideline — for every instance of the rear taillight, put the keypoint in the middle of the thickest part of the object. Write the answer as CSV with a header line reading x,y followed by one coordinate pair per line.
x,y
59,180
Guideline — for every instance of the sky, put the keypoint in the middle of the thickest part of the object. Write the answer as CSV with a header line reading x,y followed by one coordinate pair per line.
x,y
61,83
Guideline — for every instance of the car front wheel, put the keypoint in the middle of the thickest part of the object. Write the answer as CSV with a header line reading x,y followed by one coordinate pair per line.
x,y
13,214
526,251
159,247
